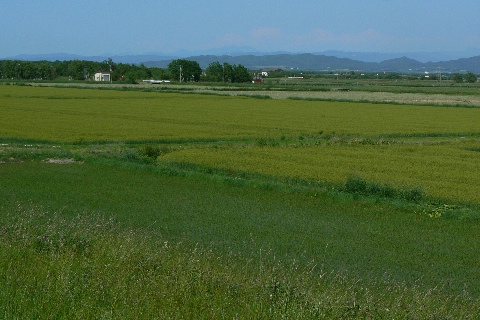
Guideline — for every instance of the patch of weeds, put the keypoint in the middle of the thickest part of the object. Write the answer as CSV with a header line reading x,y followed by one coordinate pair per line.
x,y
313,137
61,243
152,152
130,155
255,96
357,185
263,142
36,153
436,212
448,211
383,190
413,194
370,141
144,155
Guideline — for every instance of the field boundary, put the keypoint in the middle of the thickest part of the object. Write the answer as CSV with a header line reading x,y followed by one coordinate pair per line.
x,y
320,95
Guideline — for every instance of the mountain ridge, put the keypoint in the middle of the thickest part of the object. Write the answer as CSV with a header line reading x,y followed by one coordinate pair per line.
x,y
309,61
300,61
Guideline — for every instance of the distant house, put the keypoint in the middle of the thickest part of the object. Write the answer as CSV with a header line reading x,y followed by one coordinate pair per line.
x,y
265,71
103,76
257,78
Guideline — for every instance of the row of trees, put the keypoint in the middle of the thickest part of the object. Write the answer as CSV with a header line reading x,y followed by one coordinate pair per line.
x,y
76,70
181,70
469,77
226,72
186,70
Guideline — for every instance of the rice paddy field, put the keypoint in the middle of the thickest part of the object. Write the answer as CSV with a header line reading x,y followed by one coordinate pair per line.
x,y
133,204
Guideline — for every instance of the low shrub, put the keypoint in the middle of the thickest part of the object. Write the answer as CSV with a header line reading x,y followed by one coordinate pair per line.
x,y
152,152
355,184
262,142
358,185
413,194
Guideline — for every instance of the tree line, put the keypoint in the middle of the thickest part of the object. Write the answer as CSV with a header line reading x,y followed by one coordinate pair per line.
x,y
469,77
75,70
179,70
187,70
182,70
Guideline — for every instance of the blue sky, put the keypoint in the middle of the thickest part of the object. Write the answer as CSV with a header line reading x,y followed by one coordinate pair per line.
x,y
147,26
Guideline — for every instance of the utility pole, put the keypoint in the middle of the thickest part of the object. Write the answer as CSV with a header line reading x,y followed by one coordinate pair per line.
x,y
180,74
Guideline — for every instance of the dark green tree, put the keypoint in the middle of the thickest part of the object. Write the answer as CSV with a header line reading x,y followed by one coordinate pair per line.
x,y
228,73
9,69
470,77
241,74
236,73
457,77
185,70
159,73
214,72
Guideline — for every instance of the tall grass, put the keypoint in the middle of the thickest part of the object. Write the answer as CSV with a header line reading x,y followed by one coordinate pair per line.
x,y
88,267
358,185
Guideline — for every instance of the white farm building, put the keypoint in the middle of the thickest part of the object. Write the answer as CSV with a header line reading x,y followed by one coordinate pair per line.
x,y
103,76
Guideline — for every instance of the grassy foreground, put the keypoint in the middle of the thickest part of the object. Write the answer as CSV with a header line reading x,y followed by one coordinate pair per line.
x,y
115,241
85,268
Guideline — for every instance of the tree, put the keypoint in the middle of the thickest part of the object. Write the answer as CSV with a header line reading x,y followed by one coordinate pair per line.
x,y
185,70
228,73
457,77
160,74
241,74
214,72
470,77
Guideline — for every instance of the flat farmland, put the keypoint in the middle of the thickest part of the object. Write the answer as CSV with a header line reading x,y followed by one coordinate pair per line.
x,y
447,170
137,204
69,115
435,148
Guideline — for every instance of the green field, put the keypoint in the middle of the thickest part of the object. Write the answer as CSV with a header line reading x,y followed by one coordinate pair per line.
x,y
124,204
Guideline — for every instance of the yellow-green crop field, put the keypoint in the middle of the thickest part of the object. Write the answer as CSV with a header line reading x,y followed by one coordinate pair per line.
x,y
436,148
69,114
448,171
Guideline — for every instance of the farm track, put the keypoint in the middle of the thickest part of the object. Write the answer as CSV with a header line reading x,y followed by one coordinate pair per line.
x,y
380,97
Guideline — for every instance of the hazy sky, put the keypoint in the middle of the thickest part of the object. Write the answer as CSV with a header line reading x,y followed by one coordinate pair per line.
x,y
94,27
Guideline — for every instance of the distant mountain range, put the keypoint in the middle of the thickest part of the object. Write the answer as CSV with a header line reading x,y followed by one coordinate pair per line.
x,y
315,62
322,61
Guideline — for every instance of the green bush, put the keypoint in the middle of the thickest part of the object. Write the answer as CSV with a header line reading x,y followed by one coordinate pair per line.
x,y
355,184
152,152
413,194
358,185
